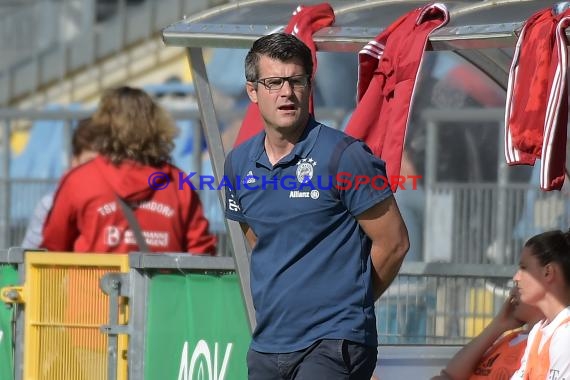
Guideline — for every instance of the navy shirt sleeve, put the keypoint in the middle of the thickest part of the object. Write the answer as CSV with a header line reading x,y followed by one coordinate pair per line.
x,y
361,179
233,207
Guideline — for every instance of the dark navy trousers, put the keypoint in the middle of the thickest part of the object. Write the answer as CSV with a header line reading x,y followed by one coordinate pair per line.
x,y
328,359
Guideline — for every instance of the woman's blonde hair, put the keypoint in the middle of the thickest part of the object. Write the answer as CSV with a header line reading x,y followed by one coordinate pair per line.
x,y
137,128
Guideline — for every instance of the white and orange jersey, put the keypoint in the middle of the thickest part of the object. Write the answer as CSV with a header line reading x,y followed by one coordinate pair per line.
x,y
547,354
502,358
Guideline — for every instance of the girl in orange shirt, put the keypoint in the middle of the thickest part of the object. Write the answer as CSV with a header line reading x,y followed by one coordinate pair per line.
x,y
543,280
495,354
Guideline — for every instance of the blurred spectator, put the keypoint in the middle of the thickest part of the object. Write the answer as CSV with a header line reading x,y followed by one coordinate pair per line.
x,y
83,150
133,165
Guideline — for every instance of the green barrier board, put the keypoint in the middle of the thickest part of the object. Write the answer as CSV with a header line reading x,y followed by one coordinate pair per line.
x,y
8,276
197,328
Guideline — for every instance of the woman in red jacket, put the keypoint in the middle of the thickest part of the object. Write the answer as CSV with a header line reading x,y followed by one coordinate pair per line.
x,y
134,165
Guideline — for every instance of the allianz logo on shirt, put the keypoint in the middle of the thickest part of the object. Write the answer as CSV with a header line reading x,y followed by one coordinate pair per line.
x,y
313,194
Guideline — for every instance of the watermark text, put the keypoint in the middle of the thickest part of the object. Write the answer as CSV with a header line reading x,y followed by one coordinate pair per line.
x,y
342,181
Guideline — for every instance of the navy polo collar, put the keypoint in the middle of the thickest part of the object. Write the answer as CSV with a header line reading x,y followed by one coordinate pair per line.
x,y
301,149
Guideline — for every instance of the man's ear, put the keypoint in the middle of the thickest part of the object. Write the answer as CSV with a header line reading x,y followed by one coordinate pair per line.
x,y
251,90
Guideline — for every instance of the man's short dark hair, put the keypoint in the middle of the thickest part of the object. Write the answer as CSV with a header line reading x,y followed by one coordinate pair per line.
x,y
280,46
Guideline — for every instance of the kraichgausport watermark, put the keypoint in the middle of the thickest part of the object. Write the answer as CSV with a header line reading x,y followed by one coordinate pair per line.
x,y
342,181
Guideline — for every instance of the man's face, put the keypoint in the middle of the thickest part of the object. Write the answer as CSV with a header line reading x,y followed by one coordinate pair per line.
x,y
285,108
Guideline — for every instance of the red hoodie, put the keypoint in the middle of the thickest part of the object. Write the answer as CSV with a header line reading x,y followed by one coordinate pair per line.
x,y
86,217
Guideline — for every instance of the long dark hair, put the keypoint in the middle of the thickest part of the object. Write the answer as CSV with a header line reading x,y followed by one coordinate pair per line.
x,y
552,246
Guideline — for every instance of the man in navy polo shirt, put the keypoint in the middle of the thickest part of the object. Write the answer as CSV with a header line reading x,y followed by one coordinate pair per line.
x,y
324,248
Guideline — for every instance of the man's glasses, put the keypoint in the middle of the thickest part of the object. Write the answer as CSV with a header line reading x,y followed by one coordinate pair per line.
x,y
276,83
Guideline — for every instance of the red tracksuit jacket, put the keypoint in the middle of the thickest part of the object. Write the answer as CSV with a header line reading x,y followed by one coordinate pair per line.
x,y
388,68
305,22
86,217
536,113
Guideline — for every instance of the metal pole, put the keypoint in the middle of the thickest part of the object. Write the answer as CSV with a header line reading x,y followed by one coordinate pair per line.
x,y
114,285
197,146
138,298
214,139
6,196
430,179
501,216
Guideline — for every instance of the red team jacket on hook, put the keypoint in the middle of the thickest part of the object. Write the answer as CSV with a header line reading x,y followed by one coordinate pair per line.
x,y
387,73
306,21
536,112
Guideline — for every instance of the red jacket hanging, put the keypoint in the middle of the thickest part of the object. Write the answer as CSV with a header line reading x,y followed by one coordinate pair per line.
x,y
537,98
388,68
306,21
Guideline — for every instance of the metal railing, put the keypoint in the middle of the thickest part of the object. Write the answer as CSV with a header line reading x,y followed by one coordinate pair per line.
x,y
63,314
483,221
441,303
